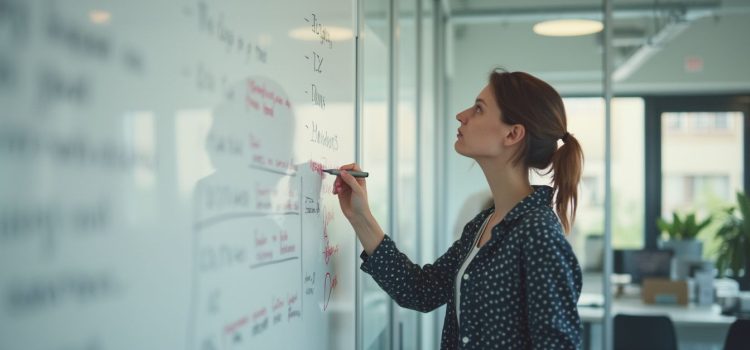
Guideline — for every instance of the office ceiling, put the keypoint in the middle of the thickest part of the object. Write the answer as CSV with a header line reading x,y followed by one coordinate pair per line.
x,y
642,32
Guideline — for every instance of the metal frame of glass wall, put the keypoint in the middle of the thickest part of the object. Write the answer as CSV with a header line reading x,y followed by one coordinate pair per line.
x,y
607,336
395,339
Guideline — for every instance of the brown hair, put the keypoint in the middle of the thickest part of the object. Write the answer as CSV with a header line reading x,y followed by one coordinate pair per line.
x,y
527,100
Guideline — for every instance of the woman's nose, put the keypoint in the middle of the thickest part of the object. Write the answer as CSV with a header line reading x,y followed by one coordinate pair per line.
x,y
460,117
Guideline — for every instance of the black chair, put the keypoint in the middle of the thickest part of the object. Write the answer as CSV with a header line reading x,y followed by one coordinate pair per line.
x,y
644,333
738,337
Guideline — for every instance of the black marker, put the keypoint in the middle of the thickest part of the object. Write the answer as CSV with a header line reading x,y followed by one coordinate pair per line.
x,y
337,172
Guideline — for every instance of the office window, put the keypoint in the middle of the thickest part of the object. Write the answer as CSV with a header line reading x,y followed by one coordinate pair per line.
x,y
696,123
708,122
682,191
628,173
702,166
723,121
673,122
591,189
586,123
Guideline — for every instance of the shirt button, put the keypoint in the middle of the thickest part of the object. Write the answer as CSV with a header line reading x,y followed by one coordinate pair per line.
x,y
466,276
465,340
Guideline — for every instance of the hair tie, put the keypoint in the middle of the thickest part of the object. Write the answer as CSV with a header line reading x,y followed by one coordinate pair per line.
x,y
564,138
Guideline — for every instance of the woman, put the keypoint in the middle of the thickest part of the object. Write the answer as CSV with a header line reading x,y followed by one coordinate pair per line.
x,y
511,281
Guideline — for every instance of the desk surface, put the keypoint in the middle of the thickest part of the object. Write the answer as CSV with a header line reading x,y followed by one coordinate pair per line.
x,y
680,315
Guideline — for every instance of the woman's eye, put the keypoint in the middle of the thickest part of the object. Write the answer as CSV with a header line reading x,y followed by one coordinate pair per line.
x,y
477,108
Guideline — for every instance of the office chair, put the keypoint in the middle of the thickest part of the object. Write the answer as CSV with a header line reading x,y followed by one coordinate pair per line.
x,y
644,333
738,337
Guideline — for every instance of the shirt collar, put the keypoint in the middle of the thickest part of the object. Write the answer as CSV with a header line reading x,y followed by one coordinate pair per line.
x,y
541,197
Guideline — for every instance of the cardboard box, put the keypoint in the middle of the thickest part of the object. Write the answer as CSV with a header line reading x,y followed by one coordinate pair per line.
x,y
664,291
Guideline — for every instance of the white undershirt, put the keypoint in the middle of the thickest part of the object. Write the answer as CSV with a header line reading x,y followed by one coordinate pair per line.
x,y
461,272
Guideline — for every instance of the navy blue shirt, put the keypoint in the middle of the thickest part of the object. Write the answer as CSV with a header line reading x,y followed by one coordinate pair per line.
x,y
519,292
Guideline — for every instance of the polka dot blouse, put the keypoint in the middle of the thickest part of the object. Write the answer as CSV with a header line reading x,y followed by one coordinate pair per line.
x,y
519,292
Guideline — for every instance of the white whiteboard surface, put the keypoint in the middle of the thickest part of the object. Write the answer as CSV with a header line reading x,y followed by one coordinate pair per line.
x,y
161,183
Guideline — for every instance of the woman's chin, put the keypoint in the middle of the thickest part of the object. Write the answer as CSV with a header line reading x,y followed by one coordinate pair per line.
x,y
457,147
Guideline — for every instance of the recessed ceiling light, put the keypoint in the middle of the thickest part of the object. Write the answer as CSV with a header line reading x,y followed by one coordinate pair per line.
x,y
568,27
99,16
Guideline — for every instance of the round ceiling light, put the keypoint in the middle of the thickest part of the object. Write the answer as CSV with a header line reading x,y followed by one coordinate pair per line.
x,y
568,27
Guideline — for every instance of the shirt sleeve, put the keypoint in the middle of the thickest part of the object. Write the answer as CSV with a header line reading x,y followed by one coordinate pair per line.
x,y
421,288
553,284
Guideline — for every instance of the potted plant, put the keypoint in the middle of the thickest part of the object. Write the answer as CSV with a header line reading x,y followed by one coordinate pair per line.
x,y
733,254
682,235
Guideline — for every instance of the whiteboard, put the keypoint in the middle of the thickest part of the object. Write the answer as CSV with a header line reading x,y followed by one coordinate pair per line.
x,y
161,183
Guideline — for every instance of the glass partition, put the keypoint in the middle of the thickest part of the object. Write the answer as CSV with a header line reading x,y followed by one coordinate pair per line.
x,y
407,236
509,35
375,38
427,146
684,63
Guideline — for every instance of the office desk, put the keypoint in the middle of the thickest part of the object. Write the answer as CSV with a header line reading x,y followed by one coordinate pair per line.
x,y
697,327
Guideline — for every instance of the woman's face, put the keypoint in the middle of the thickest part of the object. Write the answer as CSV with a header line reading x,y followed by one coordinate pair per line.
x,y
482,134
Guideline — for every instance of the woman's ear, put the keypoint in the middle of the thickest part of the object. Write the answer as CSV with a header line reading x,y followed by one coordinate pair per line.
x,y
515,134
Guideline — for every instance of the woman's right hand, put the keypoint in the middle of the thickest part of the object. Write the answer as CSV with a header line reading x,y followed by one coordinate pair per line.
x,y
352,193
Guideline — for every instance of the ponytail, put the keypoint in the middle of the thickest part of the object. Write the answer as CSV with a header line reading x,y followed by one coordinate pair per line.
x,y
527,100
567,166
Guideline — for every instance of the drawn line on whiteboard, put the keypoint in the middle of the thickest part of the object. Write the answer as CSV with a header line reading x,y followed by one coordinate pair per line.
x,y
252,214
232,327
271,262
280,172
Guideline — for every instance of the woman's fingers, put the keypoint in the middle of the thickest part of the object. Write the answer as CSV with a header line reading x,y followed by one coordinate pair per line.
x,y
338,185
351,166
355,167
350,180
340,180
351,191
